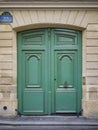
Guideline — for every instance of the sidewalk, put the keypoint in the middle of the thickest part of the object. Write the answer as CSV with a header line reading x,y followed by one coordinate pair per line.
x,y
48,120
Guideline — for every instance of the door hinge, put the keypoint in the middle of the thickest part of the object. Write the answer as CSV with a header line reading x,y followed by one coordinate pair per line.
x,y
79,113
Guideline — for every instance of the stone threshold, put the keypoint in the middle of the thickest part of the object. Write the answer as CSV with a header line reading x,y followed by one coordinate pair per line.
x,y
48,120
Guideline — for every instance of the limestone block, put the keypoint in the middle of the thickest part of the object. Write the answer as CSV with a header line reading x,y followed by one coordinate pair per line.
x,y
6,73
90,108
13,96
6,81
92,50
93,57
5,50
5,43
7,66
80,17
18,17
93,96
93,89
93,93
5,35
5,58
92,34
5,27
92,27
92,65
26,16
92,42
89,17
92,72
72,17
8,108
92,80
6,95
8,88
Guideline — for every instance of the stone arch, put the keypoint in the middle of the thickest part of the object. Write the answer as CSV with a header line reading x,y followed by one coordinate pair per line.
x,y
74,19
46,25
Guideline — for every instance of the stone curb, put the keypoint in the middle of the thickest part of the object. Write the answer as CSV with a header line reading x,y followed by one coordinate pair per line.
x,y
18,123
49,121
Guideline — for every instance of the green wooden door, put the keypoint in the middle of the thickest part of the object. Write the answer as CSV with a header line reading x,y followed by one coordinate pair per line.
x,y
49,71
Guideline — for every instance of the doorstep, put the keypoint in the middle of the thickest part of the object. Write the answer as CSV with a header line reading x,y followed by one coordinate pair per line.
x,y
48,120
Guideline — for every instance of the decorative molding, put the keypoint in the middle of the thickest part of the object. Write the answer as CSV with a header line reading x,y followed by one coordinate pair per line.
x,y
53,5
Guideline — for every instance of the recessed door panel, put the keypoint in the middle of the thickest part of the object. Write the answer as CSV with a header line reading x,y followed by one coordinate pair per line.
x,y
65,67
33,101
33,70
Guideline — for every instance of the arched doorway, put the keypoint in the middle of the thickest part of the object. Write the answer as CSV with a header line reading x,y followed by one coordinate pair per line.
x,y
49,71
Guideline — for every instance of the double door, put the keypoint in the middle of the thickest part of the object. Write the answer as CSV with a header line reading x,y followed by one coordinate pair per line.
x,y
49,71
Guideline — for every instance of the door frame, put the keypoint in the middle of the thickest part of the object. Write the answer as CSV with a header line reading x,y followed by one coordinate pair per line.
x,y
79,82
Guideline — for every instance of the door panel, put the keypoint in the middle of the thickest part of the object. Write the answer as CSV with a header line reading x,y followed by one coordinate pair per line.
x,y
65,67
65,101
65,62
33,70
34,38
65,37
33,101
33,73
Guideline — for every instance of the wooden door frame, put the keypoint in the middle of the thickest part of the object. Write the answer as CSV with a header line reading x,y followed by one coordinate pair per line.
x,y
79,101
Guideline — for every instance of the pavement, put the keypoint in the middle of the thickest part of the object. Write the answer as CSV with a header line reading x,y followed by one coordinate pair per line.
x,y
48,120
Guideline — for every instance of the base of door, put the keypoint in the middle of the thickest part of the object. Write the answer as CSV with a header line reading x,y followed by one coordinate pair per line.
x,y
67,114
52,114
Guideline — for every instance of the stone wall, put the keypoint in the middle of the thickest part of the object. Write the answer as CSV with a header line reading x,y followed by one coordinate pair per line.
x,y
84,20
8,100
90,97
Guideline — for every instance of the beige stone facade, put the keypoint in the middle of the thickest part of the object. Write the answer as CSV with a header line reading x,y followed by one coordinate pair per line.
x,y
85,20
